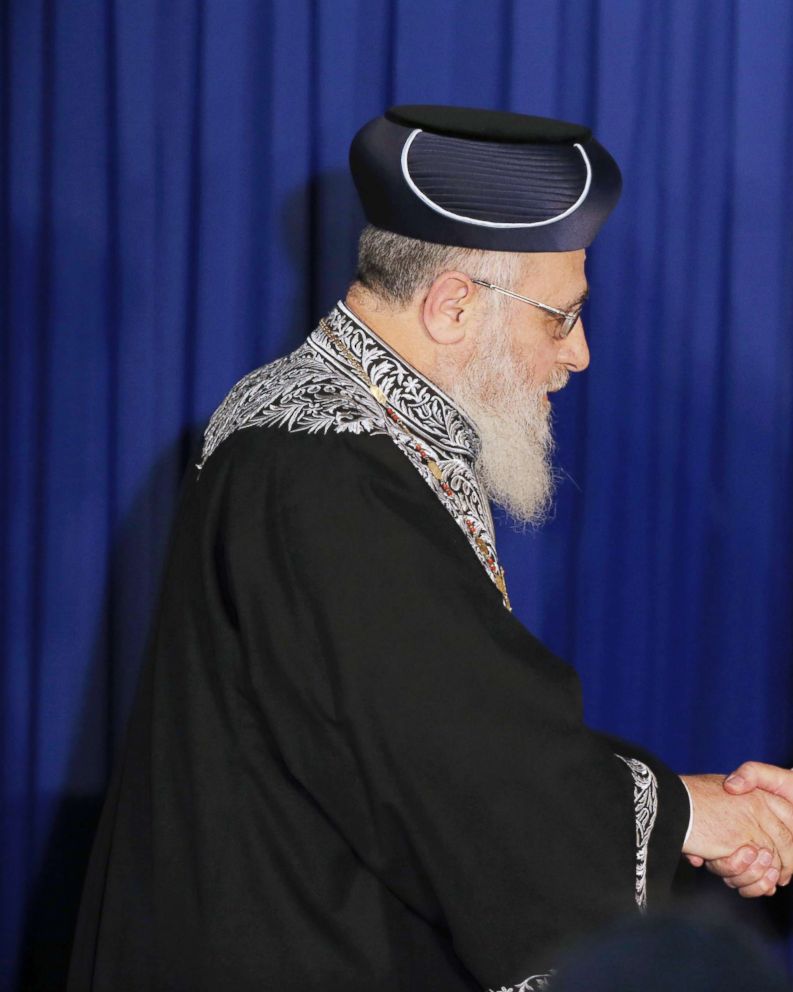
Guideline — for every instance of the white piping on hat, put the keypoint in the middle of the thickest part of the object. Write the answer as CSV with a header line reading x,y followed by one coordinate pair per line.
x,y
491,223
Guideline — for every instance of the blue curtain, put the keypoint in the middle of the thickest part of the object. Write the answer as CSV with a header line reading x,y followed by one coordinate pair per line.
x,y
176,209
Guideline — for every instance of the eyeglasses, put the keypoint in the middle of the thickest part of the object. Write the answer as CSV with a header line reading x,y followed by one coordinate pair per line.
x,y
565,326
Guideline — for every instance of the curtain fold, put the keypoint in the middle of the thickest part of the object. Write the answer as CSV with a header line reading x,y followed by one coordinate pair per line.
x,y
177,209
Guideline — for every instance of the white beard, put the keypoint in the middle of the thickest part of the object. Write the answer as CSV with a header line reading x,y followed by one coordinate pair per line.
x,y
513,420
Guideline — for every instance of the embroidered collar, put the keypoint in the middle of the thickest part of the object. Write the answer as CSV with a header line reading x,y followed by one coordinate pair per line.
x,y
425,408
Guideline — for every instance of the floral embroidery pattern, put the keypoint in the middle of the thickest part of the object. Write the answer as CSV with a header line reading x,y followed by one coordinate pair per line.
x,y
426,410
299,392
645,802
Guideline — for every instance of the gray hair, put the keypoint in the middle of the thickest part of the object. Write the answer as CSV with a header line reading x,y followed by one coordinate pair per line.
x,y
393,267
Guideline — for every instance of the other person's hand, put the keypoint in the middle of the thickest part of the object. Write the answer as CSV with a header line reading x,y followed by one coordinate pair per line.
x,y
757,775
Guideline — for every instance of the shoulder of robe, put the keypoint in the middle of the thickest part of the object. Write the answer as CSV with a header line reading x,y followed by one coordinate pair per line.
x,y
347,497
331,480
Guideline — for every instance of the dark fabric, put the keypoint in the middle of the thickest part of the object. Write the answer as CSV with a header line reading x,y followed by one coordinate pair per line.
x,y
348,766
496,182
493,195
487,125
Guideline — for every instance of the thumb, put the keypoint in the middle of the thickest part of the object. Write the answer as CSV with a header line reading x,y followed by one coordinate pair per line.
x,y
756,775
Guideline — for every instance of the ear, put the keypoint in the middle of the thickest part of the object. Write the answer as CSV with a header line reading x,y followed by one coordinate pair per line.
x,y
448,306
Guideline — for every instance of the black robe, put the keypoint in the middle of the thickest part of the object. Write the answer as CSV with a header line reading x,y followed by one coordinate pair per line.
x,y
348,766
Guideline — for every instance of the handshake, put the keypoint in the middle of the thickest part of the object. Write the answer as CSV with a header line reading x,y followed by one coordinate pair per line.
x,y
742,828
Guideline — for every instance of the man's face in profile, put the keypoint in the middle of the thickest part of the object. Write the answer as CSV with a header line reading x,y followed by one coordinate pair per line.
x,y
557,279
514,360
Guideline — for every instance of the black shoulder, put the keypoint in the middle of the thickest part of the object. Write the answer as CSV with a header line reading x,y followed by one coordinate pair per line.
x,y
302,463
341,494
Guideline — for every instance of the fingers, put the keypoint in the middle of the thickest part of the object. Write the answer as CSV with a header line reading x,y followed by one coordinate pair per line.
x,y
737,863
695,860
766,886
757,775
750,871
780,830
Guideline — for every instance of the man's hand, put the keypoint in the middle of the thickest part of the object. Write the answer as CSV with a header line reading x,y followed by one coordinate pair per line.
x,y
751,847
751,870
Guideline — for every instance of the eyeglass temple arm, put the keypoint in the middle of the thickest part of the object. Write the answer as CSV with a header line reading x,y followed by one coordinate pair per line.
x,y
536,303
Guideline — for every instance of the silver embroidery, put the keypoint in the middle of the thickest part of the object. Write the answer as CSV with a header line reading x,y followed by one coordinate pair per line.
x,y
314,389
645,802
426,410
299,392
535,983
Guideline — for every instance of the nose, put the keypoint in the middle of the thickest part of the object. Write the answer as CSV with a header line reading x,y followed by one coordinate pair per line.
x,y
574,353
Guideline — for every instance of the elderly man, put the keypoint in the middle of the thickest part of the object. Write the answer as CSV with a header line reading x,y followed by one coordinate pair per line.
x,y
348,765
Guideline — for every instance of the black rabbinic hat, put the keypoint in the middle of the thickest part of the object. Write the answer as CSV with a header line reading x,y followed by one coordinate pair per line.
x,y
484,178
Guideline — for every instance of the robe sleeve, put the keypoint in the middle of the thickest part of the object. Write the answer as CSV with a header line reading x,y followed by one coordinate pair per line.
x,y
443,740
665,843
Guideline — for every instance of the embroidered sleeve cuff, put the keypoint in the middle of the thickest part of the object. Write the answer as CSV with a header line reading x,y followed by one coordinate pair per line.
x,y
645,803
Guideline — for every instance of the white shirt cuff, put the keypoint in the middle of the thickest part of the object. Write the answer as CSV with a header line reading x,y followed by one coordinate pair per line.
x,y
690,813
